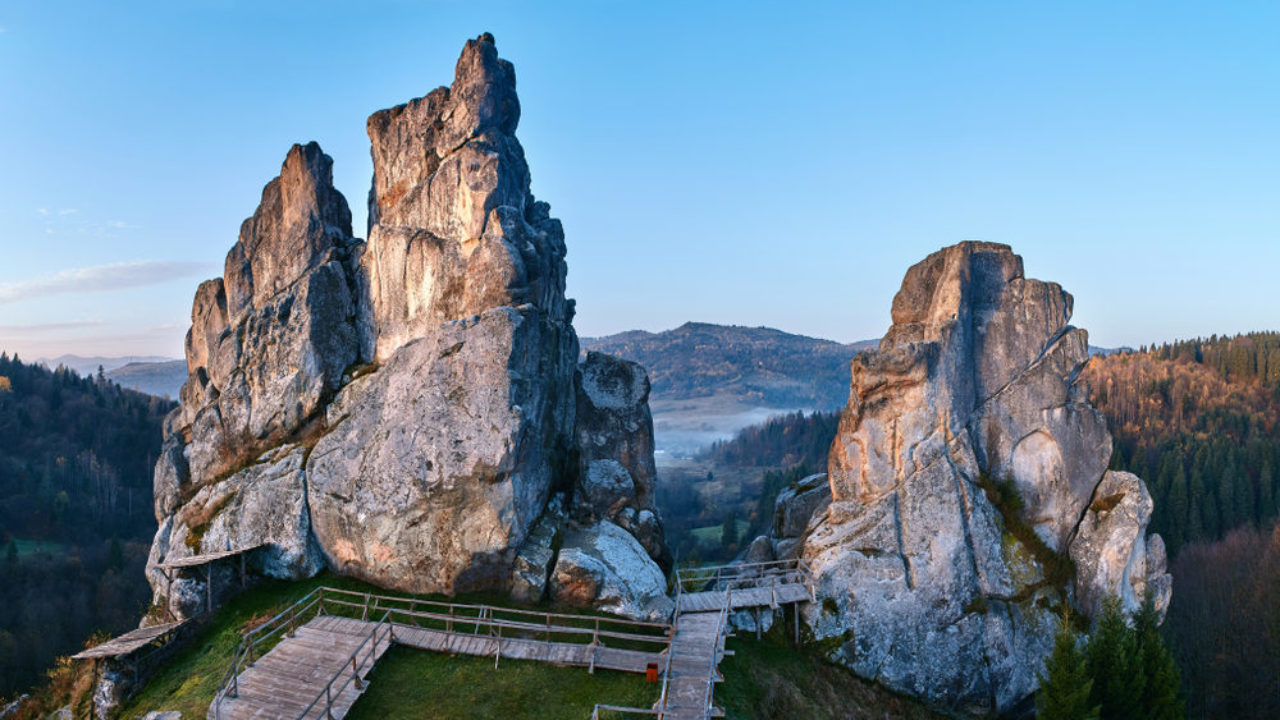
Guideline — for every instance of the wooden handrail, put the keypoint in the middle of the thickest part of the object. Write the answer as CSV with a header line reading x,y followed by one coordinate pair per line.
x,y
328,693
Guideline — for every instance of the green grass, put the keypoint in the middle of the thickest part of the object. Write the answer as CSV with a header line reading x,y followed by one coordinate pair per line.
x,y
416,684
30,547
188,681
764,679
710,535
771,678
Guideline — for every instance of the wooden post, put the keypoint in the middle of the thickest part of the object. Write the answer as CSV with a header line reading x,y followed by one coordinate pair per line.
x,y
243,581
497,652
795,616
168,594
208,587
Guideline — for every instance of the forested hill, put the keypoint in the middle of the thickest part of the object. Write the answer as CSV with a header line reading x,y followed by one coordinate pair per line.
x,y
758,365
76,454
76,518
1199,420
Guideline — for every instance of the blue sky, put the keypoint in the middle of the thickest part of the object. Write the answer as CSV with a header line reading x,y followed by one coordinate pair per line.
x,y
774,164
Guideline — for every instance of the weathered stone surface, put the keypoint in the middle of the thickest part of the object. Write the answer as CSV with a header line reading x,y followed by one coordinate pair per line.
x,y
535,560
403,409
1110,554
264,504
438,464
796,505
269,344
614,436
454,229
603,566
976,381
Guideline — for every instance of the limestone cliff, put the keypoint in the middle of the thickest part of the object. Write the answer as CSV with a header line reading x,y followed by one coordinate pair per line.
x,y
924,585
404,410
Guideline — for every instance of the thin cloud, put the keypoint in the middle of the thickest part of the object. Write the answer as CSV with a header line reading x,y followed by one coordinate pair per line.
x,y
42,328
100,278
68,211
117,224
43,211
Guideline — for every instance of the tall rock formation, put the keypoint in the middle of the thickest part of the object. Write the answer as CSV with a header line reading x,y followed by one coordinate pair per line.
x,y
405,409
926,584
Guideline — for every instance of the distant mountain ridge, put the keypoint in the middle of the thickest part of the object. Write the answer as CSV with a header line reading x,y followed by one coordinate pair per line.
x,y
162,379
89,365
754,365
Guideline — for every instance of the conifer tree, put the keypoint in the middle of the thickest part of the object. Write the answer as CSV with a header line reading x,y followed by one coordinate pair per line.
x,y
1112,660
1161,693
1065,685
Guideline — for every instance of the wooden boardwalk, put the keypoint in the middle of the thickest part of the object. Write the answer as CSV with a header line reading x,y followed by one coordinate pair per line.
x,y
288,680
695,654
772,597
320,663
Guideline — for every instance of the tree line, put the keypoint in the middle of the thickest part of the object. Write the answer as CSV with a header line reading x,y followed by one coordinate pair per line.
x,y
1199,421
76,518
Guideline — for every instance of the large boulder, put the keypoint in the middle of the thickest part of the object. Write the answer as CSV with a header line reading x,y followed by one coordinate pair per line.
x,y
925,584
439,463
603,566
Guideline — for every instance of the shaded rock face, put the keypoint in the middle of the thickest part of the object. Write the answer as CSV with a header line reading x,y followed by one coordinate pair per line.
x,y
922,585
614,436
402,409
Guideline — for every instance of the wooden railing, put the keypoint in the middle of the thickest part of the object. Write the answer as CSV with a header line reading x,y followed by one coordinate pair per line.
x,y
499,622
353,668
709,691
254,642
742,576
593,631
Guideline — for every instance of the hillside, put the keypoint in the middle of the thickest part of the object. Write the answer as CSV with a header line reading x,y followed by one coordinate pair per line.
x,y
758,366
89,365
162,379
76,456
766,679
709,381
1200,419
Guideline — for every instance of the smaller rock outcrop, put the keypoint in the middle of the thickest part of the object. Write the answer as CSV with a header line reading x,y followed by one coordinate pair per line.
x,y
614,435
1109,553
927,583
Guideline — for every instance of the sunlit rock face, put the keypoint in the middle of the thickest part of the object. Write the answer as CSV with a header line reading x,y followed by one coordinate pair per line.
x,y
402,409
922,586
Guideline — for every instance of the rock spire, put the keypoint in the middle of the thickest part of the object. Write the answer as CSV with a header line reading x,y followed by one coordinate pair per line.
x,y
407,409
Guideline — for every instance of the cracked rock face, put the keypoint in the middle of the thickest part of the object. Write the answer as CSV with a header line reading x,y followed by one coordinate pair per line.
x,y
922,586
403,409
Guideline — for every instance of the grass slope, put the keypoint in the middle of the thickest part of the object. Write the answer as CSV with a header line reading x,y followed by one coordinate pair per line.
x,y
771,678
